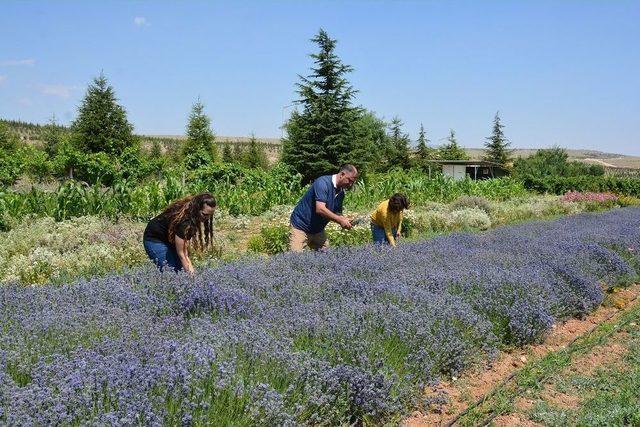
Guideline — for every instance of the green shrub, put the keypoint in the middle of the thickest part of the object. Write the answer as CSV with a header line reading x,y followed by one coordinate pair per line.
x,y
273,239
471,218
562,185
471,202
41,250
355,236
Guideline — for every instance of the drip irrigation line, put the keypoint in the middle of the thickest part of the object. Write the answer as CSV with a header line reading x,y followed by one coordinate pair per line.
x,y
485,397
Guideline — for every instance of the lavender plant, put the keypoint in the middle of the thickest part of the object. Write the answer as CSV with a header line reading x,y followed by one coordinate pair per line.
x,y
348,336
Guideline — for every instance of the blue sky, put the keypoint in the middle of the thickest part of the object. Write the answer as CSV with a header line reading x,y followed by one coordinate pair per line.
x,y
559,72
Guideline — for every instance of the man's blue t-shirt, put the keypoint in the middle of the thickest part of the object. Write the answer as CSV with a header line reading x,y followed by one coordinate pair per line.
x,y
304,216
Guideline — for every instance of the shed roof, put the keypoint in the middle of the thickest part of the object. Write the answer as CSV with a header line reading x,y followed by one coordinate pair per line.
x,y
482,163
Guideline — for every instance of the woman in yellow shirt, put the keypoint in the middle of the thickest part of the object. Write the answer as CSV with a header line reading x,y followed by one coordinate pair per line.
x,y
386,221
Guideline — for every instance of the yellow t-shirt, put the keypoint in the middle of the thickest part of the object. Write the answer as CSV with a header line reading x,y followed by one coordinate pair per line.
x,y
387,220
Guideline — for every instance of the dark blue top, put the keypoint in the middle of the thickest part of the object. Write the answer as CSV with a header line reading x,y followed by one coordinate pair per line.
x,y
304,216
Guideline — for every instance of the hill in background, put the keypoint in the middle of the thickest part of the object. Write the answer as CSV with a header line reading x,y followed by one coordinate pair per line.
x,y
30,133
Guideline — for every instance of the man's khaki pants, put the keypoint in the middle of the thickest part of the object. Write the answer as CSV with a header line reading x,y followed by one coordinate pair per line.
x,y
299,239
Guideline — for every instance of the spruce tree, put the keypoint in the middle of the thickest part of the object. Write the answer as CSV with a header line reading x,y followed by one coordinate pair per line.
x,y
255,157
199,148
423,151
227,153
8,141
52,135
399,145
497,145
451,150
319,138
238,152
102,125
157,160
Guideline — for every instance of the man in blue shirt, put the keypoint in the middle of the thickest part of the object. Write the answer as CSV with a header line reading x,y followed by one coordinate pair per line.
x,y
320,204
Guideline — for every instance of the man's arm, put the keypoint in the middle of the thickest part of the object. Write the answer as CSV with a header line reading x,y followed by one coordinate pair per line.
x,y
321,209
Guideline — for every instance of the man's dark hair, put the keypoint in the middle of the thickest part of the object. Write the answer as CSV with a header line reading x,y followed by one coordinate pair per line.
x,y
397,202
347,168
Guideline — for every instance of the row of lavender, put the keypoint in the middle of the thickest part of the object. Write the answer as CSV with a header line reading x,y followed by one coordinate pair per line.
x,y
350,335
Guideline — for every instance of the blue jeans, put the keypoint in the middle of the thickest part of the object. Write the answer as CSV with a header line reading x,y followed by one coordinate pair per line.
x,y
162,254
379,236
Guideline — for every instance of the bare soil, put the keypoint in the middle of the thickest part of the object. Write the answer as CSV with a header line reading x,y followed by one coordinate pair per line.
x,y
477,383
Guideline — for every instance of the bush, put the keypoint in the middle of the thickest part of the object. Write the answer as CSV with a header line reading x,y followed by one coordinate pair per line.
x,y
471,218
41,250
272,240
561,185
471,202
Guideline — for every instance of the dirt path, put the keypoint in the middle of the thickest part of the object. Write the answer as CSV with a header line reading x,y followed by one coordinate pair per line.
x,y
463,392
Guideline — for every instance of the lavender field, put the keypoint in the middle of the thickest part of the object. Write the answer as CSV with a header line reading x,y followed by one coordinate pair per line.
x,y
323,339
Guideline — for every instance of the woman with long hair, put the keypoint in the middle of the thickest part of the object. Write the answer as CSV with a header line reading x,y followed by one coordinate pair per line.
x,y
386,220
168,236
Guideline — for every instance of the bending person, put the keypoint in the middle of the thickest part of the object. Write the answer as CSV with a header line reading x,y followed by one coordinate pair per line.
x,y
320,204
167,237
386,221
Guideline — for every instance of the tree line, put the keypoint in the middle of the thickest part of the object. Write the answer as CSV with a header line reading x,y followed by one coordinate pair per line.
x,y
327,131
330,130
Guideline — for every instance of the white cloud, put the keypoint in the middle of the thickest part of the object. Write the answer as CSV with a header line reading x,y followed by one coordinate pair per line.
x,y
17,62
3,79
25,101
141,21
61,91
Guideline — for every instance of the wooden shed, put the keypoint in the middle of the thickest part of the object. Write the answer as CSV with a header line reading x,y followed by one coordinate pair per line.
x,y
474,169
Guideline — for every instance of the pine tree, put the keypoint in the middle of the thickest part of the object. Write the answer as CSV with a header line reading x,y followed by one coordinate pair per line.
x,y
238,152
52,135
255,157
423,151
102,125
451,150
319,138
399,145
157,161
8,141
497,145
199,148
227,153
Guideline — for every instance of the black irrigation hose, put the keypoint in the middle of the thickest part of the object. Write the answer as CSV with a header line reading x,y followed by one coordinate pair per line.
x,y
482,399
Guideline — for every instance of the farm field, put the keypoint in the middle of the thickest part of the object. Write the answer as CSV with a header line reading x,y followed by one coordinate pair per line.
x,y
40,250
585,373
354,335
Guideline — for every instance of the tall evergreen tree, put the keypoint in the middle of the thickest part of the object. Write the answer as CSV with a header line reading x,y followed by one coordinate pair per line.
x,y
227,153
238,152
451,150
199,148
497,146
255,157
102,125
319,137
8,141
52,136
157,161
423,151
399,145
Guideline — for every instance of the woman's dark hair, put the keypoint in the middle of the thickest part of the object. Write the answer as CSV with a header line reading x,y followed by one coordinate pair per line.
x,y
398,202
188,210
